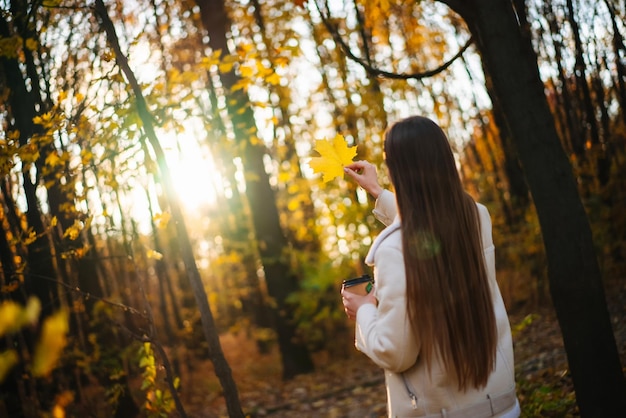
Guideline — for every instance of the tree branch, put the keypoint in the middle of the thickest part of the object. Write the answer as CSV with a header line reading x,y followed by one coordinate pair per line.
x,y
377,71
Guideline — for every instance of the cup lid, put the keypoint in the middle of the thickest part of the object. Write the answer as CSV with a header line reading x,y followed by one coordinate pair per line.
x,y
357,280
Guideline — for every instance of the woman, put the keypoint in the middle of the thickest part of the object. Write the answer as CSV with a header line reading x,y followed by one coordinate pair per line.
x,y
436,322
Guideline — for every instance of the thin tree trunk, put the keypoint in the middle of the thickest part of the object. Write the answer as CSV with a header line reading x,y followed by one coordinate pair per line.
x,y
222,368
311,244
618,45
272,244
568,104
581,77
237,225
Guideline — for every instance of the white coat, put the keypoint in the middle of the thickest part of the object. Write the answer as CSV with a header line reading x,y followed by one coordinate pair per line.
x,y
384,334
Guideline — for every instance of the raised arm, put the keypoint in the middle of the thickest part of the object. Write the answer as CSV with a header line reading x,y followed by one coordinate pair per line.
x,y
364,173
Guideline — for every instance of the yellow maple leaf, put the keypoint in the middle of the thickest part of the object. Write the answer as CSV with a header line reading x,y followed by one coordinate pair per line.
x,y
334,155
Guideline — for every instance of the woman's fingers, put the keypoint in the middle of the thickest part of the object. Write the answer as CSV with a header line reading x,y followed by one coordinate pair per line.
x,y
366,176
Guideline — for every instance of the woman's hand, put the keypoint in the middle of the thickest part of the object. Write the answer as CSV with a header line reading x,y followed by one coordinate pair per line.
x,y
364,173
352,302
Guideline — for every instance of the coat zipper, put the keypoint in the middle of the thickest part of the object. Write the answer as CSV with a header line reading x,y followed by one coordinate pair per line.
x,y
412,394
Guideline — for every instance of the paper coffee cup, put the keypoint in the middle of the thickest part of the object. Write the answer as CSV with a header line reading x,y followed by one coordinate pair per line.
x,y
359,285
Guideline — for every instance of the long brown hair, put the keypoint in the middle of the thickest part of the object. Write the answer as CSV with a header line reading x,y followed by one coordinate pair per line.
x,y
448,294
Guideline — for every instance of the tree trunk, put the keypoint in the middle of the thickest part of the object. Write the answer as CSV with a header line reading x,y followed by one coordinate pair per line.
x,y
309,244
572,130
575,280
272,244
618,45
222,369
580,73
236,232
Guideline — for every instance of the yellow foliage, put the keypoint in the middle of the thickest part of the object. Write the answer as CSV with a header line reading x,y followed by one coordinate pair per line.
x,y
44,119
334,155
226,67
241,84
246,71
13,316
214,59
155,255
10,313
273,79
76,253
293,205
9,46
32,237
53,159
28,153
244,49
31,44
8,359
73,231
86,156
51,343
62,400
13,135
162,219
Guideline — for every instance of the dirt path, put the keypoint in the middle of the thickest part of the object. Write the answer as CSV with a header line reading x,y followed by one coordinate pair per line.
x,y
355,388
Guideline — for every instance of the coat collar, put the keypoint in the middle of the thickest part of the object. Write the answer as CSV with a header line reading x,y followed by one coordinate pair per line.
x,y
394,226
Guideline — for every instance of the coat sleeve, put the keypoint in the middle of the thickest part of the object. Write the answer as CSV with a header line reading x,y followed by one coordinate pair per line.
x,y
383,332
385,209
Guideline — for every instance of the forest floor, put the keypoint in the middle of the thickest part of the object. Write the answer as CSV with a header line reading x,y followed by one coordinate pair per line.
x,y
354,387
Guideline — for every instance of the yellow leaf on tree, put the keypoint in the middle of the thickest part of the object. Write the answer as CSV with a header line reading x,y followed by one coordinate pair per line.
x,y
74,230
53,159
273,79
51,343
246,71
334,155
32,237
226,67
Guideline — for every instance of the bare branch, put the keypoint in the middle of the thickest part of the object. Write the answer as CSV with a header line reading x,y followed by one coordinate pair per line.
x,y
377,71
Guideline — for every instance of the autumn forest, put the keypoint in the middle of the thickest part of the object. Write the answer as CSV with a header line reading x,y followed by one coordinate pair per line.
x,y
168,248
